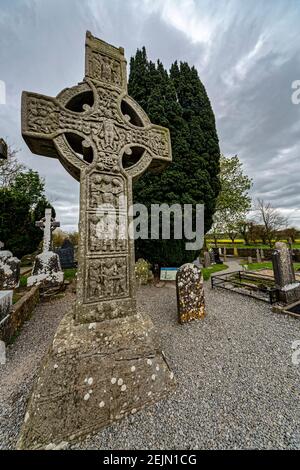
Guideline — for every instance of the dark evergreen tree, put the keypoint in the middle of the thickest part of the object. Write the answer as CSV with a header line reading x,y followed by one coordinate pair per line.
x,y
192,177
21,205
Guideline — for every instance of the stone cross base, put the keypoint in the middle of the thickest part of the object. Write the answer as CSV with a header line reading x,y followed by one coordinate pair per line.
x,y
94,374
46,271
290,293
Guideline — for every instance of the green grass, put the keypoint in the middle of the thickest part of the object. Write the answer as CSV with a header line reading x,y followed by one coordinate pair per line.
x,y
213,269
265,265
69,274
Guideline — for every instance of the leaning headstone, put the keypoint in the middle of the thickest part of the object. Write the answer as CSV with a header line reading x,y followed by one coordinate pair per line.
x,y
105,362
284,274
3,149
66,254
9,269
6,298
207,259
190,293
46,270
212,256
258,258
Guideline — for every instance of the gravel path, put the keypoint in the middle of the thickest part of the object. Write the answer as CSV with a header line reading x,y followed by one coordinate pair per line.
x,y
237,386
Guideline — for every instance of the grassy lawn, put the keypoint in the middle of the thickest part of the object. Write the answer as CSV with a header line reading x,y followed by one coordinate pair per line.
x,y
69,274
213,269
265,265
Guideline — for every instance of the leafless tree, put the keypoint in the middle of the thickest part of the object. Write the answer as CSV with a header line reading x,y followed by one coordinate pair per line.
x,y
271,220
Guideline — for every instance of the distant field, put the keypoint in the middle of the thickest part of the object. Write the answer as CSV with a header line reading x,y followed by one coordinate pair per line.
x,y
239,243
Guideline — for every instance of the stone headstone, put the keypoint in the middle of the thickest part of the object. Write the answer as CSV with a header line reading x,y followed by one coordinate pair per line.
x,y
3,149
66,254
212,256
47,270
216,256
6,298
190,293
9,270
284,275
258,257
225,254
249,260
262,255
235,252
105,362
207,259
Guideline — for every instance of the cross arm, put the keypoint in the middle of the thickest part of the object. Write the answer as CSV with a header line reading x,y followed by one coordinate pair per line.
x,y
158,142
40,123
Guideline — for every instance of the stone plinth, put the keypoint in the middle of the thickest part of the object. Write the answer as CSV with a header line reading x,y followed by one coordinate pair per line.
x,y
190,293
5,303
46,271
95,374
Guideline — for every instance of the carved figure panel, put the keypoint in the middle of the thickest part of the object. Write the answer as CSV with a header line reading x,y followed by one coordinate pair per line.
x,y
106,191
107,278
107,232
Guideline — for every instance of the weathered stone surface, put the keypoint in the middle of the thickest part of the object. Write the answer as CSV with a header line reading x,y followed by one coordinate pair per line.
x,y
284,274
249,260
190,293
9,270
5,303
46,270
99,120
207,259
95,374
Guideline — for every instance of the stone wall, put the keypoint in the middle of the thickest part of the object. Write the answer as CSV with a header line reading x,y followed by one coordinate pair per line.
x,y
20,312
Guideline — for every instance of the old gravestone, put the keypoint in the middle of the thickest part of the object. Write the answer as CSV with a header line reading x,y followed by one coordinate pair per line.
x,y
258,257
9,269
105,362
216,256
284,274
207,259
46,270
66,254
190,293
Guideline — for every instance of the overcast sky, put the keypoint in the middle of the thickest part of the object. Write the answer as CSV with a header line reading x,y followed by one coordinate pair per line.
x,y
247,54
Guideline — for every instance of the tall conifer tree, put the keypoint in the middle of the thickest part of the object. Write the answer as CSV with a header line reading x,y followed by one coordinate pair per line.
x,y
178,101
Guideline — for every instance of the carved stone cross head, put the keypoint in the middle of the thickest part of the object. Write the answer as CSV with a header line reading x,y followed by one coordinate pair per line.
x,y
47,224
104,139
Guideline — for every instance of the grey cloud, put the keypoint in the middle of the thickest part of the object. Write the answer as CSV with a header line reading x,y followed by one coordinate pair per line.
x,y
247,68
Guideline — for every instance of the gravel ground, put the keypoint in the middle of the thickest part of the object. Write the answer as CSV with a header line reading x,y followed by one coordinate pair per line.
x,y
237,386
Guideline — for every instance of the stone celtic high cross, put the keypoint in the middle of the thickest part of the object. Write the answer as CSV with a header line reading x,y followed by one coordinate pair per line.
x,y
105,362
117,143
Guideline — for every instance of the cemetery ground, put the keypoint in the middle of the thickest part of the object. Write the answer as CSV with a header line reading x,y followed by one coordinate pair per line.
x,y
237,387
